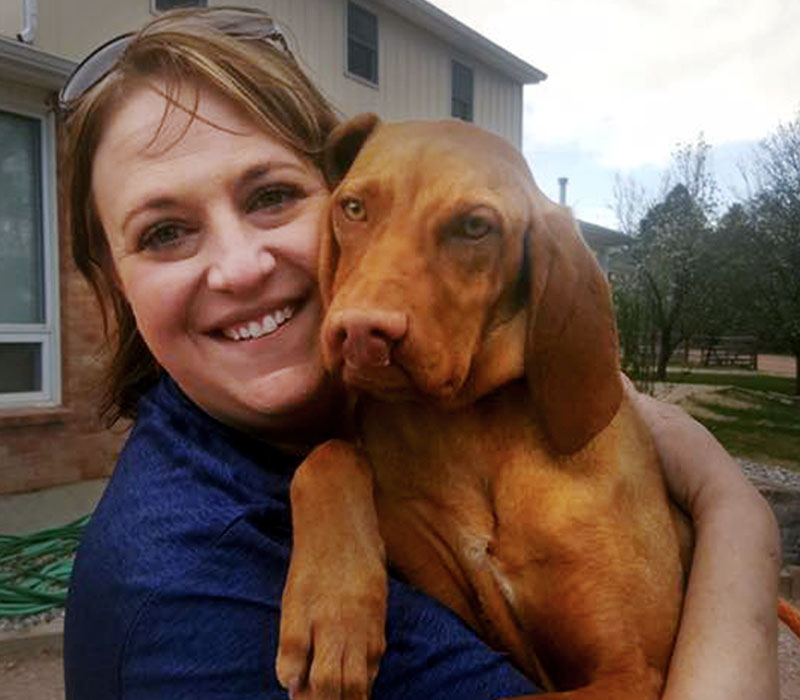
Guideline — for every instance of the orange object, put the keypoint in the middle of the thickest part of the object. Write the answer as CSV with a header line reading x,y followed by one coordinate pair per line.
x,y
789,615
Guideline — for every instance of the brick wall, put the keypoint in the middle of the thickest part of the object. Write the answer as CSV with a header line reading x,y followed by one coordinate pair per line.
x,y
46,447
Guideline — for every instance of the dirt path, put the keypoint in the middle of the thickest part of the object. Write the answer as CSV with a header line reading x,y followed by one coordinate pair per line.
x,y
777,364
789,668
34,675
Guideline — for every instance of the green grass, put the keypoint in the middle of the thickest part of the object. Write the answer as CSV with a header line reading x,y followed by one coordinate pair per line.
x,y
754,381
762,427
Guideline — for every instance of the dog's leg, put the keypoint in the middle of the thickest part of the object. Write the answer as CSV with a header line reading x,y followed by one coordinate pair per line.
x,y
625,686
334,601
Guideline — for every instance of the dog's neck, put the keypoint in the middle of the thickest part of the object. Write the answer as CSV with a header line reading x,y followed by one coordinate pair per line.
x,y
406,437
499,361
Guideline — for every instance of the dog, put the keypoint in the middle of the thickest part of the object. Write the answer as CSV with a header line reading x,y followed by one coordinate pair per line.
x,y
511,477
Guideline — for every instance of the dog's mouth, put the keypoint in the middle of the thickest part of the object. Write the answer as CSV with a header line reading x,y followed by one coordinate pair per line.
x,y
396,382
387,383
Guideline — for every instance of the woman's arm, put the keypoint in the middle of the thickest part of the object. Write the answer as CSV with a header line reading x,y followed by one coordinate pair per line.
x,y
727,641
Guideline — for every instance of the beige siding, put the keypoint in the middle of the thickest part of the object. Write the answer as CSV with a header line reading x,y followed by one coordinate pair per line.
x,y
72,28
413,68
10,18
414,64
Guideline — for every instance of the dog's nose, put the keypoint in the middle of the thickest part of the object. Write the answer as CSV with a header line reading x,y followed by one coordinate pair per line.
x,y
364,339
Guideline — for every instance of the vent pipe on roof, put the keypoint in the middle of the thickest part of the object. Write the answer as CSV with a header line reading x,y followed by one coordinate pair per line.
x,y
30,16
562,191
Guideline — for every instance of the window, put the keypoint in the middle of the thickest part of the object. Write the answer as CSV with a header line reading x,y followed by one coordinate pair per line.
x,y
362,43
164,5
462,84
28,342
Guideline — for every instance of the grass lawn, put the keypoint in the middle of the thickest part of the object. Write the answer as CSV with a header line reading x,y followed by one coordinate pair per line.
x,y
753,381
751,417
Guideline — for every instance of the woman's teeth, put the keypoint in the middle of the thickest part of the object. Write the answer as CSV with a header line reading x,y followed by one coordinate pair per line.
x,y
255,329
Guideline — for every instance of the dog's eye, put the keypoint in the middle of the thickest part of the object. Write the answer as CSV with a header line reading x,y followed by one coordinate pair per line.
x,y
477,225
354,209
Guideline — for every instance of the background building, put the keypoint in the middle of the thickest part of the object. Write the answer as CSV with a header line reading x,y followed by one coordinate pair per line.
x,y
399,58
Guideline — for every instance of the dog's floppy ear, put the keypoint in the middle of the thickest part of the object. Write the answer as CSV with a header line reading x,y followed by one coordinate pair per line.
x,y
571,356
341,149
343,145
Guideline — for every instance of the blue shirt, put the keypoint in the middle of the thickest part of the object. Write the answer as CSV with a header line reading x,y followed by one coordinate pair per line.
x,y
177,584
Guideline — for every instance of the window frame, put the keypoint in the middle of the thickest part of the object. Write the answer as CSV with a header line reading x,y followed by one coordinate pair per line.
x,y
376,48
154,9
453,63
48,333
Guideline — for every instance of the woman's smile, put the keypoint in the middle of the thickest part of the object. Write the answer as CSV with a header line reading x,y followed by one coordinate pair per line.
x,y
263,324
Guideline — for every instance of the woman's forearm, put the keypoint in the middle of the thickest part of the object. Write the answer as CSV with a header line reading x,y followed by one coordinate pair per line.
x,y
726,645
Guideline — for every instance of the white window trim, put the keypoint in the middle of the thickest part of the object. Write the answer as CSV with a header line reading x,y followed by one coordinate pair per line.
x,y
353,76
48,333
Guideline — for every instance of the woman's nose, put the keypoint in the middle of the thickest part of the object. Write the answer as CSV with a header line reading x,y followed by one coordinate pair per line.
x,y
241,261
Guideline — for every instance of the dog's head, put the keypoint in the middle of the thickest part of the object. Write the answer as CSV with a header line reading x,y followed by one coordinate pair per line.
x,y
447,273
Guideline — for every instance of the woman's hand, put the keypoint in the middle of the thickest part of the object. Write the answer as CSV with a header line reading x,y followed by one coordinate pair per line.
x,y
727,642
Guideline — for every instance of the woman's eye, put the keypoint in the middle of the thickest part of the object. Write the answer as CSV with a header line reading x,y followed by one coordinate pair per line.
x,y
160,236
354,209
273,197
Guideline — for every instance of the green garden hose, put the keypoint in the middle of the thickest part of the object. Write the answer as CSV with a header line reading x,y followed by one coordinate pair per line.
x,y
35,569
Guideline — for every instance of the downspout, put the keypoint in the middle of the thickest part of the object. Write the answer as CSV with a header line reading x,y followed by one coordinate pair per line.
x,y
30,15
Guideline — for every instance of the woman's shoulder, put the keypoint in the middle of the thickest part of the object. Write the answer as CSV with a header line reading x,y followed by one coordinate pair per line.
x,y
181,483
168,590
187,529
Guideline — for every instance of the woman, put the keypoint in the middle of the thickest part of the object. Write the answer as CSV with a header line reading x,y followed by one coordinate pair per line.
x,y
193,196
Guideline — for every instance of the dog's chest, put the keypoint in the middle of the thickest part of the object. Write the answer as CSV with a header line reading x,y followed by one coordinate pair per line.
x,y
471,497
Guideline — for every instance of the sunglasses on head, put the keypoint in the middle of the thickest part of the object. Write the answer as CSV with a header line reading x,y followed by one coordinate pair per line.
x,y
240,24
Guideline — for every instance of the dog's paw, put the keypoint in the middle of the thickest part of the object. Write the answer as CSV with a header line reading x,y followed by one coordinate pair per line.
x,y
333,611
331,643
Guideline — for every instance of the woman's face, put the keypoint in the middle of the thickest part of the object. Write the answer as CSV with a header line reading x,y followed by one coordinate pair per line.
x,y
213,229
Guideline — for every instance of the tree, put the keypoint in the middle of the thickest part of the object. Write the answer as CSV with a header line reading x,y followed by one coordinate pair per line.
x,y
671,256
670,252
761,242
733,270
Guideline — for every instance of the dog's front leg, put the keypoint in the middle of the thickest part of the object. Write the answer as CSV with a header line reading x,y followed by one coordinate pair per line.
x,y
334,601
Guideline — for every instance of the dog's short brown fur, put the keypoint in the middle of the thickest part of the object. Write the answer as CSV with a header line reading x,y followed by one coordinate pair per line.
x,y
512,479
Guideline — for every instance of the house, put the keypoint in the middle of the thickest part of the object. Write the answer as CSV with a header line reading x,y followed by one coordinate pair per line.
x,y
603,241
399,58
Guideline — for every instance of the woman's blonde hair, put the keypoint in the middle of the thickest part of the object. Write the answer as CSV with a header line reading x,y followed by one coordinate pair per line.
x,y
255,72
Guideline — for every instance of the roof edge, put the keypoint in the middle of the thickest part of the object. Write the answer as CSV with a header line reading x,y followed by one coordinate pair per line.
x,y
602,235
29,65
456,33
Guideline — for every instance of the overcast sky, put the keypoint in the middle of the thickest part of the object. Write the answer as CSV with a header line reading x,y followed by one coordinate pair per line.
x,y
630,79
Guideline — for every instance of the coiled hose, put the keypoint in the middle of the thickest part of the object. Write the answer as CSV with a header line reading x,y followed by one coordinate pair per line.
x,y
35,569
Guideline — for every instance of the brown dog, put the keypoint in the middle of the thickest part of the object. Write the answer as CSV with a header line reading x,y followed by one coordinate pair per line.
x,y
512,480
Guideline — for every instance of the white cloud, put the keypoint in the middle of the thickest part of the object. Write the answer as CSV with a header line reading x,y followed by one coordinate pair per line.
x,y
628,79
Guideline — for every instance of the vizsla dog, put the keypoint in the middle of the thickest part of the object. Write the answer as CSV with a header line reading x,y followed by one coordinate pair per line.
x,y
512,479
